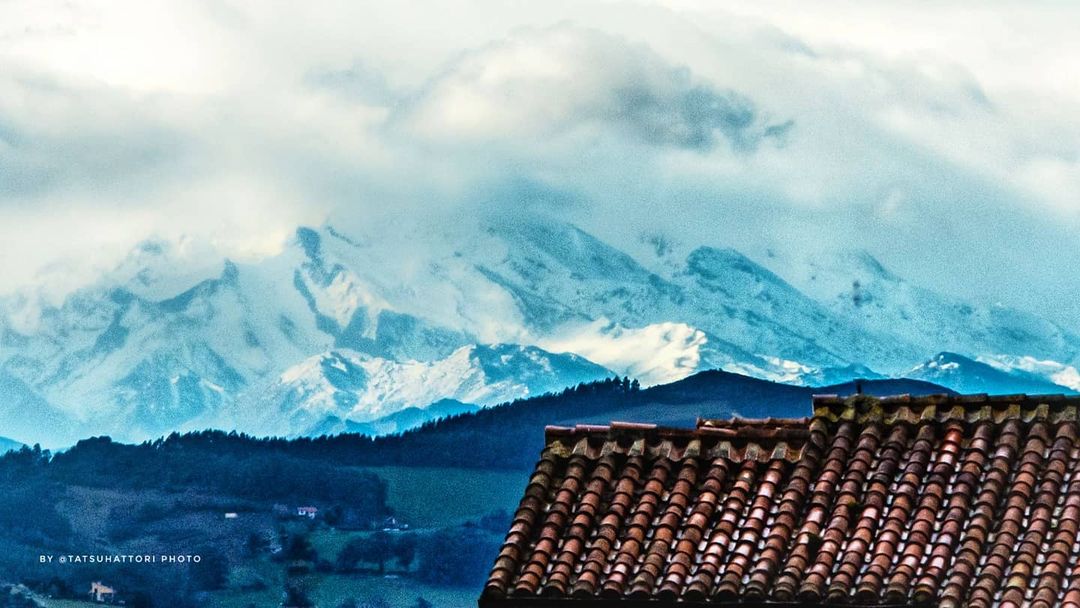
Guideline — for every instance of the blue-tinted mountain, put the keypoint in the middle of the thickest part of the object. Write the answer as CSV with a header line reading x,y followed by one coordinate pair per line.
x,y
511,436
398,422
7,445
346,390
966,375
24,414
348,325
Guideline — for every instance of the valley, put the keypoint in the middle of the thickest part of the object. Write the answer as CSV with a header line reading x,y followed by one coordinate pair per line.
x,y
383,522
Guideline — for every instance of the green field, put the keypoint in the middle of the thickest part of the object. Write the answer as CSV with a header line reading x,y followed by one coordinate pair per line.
x,y
398,592
330,542
329,590
426,499
433,497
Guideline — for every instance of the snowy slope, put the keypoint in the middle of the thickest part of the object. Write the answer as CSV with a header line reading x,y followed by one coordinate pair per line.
x,y
966,375
349,386
112,359
856,287
24,414
1050,371
570,288
7,445
346,326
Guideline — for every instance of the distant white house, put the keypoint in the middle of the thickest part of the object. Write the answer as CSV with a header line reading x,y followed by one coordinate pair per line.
x,y
308,512
391,524
101,593
231,515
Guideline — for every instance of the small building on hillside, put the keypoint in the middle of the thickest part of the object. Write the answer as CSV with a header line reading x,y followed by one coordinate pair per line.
x,y
101,593
231,515
945,501
392,524
308,512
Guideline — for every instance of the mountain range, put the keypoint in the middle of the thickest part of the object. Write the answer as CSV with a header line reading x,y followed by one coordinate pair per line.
x,y
965,375
510,436
345,328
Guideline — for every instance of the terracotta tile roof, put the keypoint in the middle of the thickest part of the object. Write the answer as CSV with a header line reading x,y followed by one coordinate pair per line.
x,y
942,500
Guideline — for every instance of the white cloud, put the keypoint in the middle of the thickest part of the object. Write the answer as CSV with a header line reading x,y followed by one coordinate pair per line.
x,y
567,81
673,349
922,133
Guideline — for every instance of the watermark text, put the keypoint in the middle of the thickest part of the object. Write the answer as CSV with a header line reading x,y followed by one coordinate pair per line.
x,y
120,558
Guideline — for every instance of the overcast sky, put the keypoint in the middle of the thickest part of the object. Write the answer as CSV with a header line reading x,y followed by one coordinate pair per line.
x,y
943,138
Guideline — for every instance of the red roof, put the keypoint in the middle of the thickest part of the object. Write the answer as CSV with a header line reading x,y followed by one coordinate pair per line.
x,y
942,500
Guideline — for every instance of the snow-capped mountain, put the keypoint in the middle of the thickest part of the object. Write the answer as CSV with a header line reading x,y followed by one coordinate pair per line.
x,y
1051,371
398,422
345,385
24,413
347,326
965,375
857,287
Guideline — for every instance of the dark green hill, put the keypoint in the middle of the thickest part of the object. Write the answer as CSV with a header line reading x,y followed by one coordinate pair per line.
x,y
511,436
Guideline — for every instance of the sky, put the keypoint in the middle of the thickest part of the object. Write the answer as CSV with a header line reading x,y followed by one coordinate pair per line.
x,y
940,137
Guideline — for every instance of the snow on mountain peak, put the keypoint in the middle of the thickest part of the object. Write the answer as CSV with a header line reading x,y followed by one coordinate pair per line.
x,y
1058,373
353,386
350,328
993,374
943,361
654,354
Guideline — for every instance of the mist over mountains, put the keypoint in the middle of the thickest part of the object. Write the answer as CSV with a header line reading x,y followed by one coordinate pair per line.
x,y
342,332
